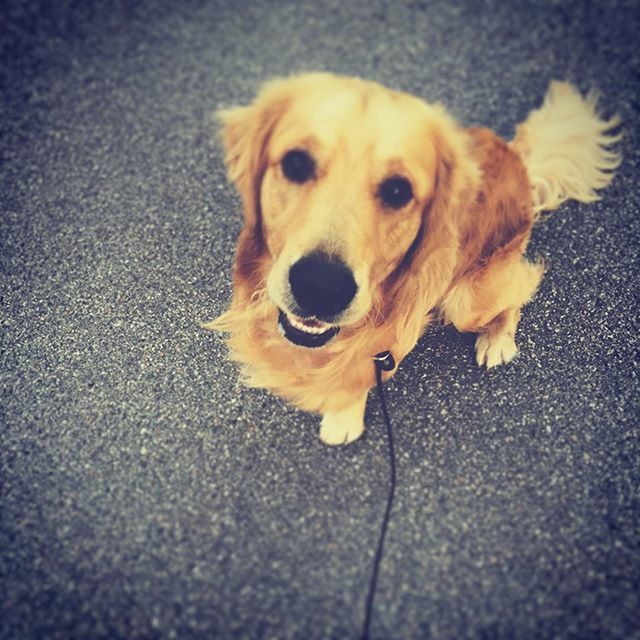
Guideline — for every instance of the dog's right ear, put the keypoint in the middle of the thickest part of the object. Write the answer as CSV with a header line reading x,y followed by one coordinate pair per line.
x,y
245,136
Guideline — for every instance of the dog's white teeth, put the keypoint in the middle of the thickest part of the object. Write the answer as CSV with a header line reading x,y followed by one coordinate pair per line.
x,y
317,329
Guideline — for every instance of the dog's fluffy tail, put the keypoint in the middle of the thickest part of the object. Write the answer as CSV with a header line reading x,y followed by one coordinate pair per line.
x,y
566,148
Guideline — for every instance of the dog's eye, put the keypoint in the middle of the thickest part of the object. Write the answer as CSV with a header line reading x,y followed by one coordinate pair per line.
x,y
395,192
298,166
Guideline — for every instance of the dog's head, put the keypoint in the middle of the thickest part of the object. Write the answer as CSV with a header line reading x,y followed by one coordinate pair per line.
x,y
347,188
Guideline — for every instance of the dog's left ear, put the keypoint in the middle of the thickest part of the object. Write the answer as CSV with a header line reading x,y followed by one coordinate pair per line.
x,y
245,136
456,177
428,268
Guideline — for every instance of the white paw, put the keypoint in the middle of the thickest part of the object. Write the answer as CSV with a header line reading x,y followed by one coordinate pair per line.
x,y
495,349
342,427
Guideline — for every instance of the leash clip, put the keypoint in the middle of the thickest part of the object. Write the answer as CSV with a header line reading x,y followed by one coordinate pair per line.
x,y
384,360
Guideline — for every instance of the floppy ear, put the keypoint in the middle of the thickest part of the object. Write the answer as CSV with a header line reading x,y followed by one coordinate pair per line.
x,y
456,178
427,270
245,135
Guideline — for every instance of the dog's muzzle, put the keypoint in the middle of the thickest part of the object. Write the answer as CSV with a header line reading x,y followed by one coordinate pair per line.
x,y
322,287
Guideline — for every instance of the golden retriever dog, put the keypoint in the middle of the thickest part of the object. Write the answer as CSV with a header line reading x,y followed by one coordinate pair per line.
x,y
368,211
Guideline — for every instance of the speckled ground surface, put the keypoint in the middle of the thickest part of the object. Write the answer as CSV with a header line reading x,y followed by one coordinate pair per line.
x,y
145,494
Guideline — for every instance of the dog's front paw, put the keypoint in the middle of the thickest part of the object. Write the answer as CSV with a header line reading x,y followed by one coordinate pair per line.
x,y
336,428
345,426
493,349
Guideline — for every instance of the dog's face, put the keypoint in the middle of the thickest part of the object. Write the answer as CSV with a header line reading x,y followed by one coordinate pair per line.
x,y
338,177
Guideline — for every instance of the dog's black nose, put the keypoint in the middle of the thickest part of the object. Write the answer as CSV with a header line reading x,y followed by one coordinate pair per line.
x,y
322,286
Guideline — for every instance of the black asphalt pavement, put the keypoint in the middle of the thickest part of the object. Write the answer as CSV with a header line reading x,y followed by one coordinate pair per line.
x,y
146,494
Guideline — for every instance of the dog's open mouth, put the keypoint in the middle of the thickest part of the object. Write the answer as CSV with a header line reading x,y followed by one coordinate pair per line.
x,y
306,332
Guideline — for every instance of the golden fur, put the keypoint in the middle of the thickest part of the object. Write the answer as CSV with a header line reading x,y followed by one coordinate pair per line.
x,y
456,250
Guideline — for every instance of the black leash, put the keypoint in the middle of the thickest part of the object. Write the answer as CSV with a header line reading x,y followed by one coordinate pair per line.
x,y
383,362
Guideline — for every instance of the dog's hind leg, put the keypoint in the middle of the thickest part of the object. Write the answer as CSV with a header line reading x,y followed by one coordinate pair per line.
x,y
488,303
